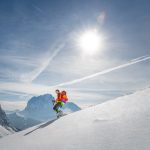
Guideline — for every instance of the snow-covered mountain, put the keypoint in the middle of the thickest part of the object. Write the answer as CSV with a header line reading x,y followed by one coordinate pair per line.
x,y
38,109
5,127
3,118
70,107
20,122
41,108
120,124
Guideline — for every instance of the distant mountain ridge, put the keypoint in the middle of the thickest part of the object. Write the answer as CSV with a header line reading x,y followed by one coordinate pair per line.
x,y
3,118
20,122
38,109
5,126
41,108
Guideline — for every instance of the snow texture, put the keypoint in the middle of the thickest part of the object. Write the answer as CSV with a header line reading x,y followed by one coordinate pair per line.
x,y
120,124
4,131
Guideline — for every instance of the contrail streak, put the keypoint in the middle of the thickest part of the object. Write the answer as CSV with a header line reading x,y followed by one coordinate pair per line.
x,y
29,77
131,62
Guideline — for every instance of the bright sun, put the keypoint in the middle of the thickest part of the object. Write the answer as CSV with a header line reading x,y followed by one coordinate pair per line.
x,y
90,42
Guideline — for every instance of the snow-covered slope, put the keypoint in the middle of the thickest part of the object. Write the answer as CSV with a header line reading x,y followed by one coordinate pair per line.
x,y
120,124
5,131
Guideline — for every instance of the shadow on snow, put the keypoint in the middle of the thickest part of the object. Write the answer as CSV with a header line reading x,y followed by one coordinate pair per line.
x,y
41,126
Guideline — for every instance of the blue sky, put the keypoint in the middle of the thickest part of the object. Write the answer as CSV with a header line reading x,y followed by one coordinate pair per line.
x,y
38,47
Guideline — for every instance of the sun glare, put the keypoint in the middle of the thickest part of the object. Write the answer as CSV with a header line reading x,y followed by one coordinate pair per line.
x,y
90,42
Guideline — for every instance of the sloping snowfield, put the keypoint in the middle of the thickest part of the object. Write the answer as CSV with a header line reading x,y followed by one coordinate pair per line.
x,y
120,124
4,131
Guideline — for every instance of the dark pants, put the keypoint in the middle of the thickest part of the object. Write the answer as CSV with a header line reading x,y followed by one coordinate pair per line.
x,y
56,107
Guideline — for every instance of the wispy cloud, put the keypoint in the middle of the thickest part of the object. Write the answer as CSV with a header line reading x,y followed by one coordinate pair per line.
x,y
101,17
29,77
132,62
13,66
9,105
19,60
27,68
29,88
13,93
37,89
38,9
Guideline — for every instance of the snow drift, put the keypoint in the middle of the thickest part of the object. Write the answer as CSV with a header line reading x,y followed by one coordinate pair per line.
x,y
120,124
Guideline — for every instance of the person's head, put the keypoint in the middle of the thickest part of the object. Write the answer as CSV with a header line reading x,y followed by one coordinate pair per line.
x,y
57,91
64,92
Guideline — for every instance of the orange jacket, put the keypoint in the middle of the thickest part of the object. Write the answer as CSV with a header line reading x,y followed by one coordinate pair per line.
x,y
61,97
64,98
58,99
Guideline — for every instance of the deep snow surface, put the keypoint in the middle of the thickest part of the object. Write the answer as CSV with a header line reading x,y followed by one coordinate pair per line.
x,y
120,124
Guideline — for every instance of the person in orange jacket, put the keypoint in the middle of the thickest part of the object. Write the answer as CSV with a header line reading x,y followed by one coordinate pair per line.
x,y
60,100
